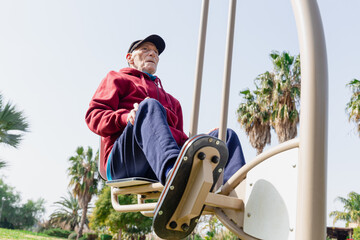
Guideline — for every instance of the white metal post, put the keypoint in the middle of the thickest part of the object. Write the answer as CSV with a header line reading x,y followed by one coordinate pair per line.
x,y
311,200
227,70
199,69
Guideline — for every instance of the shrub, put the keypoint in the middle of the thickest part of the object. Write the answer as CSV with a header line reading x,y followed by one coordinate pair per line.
x,y
72,236
57,232
356,235
91,236
106,237
88,236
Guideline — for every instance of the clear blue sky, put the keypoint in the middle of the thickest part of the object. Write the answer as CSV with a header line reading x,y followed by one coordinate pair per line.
x,y
53,54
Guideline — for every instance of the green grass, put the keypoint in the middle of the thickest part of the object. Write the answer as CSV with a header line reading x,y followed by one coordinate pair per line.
x,y
10,234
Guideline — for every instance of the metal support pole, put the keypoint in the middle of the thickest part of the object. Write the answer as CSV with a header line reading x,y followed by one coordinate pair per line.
x,y
311,200
227,70
199,69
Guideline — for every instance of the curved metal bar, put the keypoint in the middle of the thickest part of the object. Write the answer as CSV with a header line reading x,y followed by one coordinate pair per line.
x,y
129,207
240,175
311,201
199,69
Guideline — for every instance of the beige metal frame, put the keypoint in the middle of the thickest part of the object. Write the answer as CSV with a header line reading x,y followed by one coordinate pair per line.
x,y
199,68
312,144
311,202
311,210
227,69
152,191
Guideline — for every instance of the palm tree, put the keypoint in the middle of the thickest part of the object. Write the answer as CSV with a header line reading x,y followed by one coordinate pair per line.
x,y
280,90
255,120
353,107
12,125
351,207
274,103
68,213
83,173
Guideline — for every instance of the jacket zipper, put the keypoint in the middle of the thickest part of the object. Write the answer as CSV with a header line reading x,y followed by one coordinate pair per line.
x,y
157,91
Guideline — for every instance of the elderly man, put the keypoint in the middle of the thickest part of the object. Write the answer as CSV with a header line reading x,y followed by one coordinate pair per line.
x,y
141,129
140,124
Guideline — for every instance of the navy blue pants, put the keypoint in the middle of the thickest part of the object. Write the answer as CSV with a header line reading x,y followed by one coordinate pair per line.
x,y
148,149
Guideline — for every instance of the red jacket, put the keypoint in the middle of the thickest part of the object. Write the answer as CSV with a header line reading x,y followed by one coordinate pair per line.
x,y
114,99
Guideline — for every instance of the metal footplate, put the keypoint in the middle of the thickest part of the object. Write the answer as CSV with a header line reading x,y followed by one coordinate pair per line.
x,y
182,201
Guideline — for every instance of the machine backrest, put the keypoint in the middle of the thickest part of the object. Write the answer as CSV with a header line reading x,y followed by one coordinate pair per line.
x,y
101,169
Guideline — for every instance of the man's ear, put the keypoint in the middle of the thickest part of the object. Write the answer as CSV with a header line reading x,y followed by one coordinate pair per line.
x,y
129,58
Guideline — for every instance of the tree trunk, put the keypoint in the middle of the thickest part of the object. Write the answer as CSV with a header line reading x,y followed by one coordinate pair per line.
x,y
119,234
259,150
82,222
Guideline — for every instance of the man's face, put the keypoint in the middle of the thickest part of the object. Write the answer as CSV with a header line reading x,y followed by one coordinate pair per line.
x,y
144,58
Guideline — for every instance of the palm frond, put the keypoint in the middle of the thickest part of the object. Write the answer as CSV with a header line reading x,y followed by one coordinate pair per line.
x,y
3,164
12,124
351,211
353,106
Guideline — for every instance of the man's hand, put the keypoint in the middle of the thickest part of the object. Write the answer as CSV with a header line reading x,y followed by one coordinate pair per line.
x,y
132,114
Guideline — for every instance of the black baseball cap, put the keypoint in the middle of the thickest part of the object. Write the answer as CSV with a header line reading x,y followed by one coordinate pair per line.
x,y
155,39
